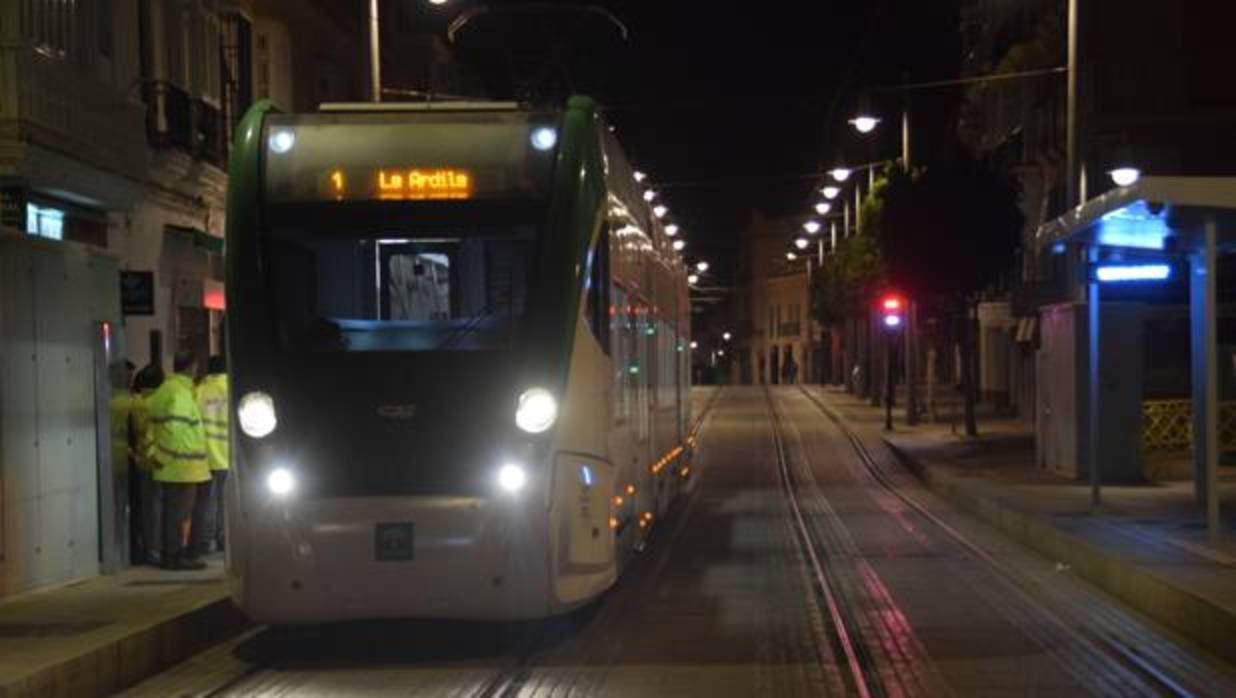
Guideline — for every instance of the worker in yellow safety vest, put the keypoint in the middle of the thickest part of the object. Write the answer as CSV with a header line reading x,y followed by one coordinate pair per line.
x,y
150,519
212,401
179,447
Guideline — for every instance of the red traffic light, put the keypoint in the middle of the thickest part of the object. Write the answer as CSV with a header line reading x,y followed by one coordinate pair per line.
x,y
891,307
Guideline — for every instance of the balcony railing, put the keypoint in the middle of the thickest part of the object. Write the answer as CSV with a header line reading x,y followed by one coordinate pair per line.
x,y
174,119
50,103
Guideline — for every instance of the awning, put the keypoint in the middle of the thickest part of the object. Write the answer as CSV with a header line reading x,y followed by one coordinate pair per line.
x,y
1156,213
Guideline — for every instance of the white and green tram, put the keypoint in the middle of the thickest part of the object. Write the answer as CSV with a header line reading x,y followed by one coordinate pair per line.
x,y
458,341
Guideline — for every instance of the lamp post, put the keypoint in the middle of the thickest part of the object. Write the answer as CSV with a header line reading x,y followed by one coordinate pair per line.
x,y
375,53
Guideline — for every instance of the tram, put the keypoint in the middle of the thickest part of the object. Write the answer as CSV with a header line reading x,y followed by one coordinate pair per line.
x,y
458,343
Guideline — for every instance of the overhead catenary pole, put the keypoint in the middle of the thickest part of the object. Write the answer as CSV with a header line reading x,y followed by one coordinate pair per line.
x,y
375,53
1074,194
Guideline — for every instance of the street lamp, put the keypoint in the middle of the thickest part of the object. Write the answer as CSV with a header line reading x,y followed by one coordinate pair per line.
x,y
726,336
864,123
660,210
671,229
791,256
840,174
801,243
1125,176
701,267
640,176
831,192
812,227
693,279
679,244
695,344
823,207
649,195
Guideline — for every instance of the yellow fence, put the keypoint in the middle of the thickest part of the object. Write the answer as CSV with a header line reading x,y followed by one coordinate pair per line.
x,y
1167,425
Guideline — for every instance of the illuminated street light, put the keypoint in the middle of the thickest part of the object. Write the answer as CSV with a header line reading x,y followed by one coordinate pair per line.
x,y
840,174
695,344
649,195
831,192
720,352
823,207
726,336
1125,176
791,256
679,244
693,279
701,267
812,227
864,123
437,2
671,229
640,176
801,243
660,210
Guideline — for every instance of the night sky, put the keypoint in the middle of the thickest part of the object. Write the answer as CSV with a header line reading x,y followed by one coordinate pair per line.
x,y
730,106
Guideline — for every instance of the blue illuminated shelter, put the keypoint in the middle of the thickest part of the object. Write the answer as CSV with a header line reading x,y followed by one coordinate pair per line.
x,y
1155,221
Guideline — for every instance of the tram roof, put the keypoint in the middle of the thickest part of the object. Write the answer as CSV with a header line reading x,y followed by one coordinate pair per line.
x,y
337,107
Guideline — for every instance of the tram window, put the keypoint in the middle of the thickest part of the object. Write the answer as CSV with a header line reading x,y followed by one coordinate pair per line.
x,y
399,294
596,291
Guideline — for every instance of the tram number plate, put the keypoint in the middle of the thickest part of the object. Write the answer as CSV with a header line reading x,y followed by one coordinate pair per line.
x,y
392,541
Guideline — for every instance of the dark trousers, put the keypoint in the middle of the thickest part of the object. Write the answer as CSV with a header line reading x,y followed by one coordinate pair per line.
x,y
208,518
179,500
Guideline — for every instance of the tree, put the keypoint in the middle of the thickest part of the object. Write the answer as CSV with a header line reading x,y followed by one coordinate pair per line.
x,y
946,235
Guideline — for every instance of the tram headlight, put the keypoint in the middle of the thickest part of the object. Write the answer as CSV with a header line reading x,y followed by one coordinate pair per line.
x,y
280,482
256,414
537,410
282,141
544,138
512,477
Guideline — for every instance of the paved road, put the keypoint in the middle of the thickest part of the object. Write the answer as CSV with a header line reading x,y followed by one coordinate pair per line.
x,y
798,567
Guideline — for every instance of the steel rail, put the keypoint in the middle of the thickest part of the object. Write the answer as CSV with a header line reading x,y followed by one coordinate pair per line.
x,y
850,641
1114,647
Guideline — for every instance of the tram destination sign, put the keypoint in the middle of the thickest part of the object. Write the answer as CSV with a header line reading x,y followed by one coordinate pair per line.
x,y
406,157
400,183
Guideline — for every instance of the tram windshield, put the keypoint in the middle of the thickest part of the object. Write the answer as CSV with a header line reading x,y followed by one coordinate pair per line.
x,y
353,293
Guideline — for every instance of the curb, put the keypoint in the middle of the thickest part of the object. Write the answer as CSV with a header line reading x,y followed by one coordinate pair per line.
x,y
118,663
1196,618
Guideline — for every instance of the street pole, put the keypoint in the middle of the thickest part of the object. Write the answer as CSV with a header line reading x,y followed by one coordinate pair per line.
x,y
890,348
1092,306
858,207
375,53
1072,185
912,367
905,135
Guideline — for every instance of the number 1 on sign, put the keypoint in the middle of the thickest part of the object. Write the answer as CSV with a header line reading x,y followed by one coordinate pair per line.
x,y
336,178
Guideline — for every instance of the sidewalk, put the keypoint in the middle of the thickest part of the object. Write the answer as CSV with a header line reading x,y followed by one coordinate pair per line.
x,y
98,636
1146,545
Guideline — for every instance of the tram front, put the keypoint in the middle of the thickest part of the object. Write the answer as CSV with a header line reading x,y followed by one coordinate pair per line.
x,y
395,377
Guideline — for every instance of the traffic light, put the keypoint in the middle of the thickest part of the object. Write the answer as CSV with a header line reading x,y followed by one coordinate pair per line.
x,y
892,312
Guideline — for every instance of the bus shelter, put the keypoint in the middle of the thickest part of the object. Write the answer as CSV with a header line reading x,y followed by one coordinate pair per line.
x,y
1139,234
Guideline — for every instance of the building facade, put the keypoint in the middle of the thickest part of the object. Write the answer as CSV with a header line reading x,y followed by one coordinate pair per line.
x,y
776,341
115,121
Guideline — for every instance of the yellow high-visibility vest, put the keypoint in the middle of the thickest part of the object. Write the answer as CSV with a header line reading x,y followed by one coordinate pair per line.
x,y
212,399
178,439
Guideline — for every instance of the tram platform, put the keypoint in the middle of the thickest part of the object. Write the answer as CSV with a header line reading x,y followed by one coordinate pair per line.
x,y
100,635
1146,544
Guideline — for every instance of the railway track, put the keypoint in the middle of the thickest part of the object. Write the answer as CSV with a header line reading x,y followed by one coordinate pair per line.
x,y
1144,670
842,633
